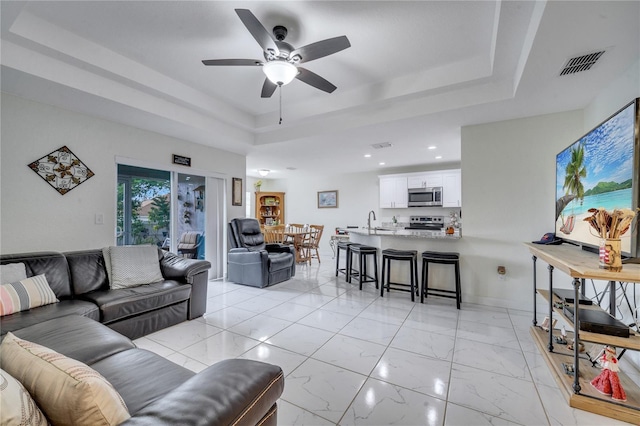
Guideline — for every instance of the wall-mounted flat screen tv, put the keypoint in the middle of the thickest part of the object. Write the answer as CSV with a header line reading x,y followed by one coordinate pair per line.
x,y
600,170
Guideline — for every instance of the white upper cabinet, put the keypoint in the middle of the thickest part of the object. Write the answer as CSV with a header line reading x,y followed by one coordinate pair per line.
x,y
393,192
451,188
394,188
425,180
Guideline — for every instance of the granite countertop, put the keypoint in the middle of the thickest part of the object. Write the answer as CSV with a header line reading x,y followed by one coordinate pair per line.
x,y
406,233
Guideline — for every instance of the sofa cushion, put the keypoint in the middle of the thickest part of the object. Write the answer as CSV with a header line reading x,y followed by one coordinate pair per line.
x,y
16,405
133,265
77,337
122,303
68,391
26,294
141,377
12,272
52,264
250,389
88,271
31,317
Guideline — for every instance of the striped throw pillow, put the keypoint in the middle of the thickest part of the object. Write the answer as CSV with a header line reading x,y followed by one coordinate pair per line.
x,y
68,391
17,407
25,294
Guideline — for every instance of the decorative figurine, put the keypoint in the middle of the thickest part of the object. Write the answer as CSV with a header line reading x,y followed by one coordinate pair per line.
x,y
608,382
562,339
548,324
570,345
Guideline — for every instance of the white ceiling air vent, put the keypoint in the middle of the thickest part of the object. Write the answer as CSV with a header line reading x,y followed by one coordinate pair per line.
x,y
381,145
581,63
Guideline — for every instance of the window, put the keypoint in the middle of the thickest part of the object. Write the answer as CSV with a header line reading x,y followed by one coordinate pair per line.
x,y
144,206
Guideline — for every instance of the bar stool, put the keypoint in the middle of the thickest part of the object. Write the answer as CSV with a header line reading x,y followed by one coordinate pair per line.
x,y
450,258
343,245
410,256
362,252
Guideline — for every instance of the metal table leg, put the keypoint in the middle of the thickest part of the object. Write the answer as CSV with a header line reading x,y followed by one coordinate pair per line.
x,y
576,335
550,346
535,322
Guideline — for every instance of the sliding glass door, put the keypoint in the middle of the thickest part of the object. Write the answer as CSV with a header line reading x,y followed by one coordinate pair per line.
x,y
191,211
144,206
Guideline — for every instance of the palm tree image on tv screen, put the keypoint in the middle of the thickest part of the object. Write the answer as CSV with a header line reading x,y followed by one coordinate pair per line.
x,y
596,171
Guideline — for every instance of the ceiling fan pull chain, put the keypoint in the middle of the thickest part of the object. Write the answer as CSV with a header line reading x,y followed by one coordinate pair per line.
x,y
280,122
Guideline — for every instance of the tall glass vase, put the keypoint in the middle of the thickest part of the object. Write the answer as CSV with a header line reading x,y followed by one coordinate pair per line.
x,y
610,254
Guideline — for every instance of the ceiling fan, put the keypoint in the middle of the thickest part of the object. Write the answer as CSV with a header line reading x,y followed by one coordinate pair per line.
x,y
282,59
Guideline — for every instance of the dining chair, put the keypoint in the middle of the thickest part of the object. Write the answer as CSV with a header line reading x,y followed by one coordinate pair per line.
x,y
294,228
274,234
302,245
314,241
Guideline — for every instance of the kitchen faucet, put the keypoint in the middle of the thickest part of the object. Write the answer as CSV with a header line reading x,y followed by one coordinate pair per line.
x,y
369,219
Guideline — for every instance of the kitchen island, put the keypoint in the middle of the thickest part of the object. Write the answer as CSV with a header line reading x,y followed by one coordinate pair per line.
x,y
411,239
402,233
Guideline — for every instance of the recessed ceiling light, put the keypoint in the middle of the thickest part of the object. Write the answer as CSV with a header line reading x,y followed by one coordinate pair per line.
x,y
432,147
367,156
438,157
382,163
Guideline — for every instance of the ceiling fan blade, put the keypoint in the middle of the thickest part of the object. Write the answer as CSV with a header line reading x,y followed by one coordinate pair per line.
x,y
258,31
268,88
242,62
321,49
313,79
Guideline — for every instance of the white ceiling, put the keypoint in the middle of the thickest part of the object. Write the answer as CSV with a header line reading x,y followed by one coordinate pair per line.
x,y
415,73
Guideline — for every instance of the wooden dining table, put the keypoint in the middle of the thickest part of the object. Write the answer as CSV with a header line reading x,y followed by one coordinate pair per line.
x,y
300,240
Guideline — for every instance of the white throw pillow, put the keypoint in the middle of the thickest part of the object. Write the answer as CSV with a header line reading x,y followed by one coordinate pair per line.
x,y
16,405
134,265
12,272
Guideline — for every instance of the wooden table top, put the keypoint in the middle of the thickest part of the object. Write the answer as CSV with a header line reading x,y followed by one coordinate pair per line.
x,y
579,263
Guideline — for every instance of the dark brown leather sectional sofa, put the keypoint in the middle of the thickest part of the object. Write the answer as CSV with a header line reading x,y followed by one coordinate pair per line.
x,y
155,390
79,280
159,392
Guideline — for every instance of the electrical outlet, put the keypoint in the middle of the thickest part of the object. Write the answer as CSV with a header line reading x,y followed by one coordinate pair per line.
x,y
99,219
502,272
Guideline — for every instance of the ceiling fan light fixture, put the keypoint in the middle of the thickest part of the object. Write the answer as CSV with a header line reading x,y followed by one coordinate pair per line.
x,y
263,172
280,72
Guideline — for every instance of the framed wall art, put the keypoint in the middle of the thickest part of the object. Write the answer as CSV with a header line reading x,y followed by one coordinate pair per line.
x,y
62,170
327,199
236,191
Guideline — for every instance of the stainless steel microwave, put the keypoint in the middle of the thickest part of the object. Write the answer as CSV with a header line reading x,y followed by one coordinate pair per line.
x,y
425,197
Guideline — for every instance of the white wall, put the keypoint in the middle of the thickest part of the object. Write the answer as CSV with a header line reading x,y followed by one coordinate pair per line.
x,y
36,217
508,186
357,195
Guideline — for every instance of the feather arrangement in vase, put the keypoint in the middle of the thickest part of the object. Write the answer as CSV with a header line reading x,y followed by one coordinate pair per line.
x,y
610,225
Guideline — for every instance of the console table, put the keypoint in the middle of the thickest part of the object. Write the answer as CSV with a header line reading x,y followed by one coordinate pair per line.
x,y
581,265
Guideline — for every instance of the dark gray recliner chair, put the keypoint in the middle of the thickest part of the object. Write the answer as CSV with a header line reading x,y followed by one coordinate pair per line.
x,y
252,262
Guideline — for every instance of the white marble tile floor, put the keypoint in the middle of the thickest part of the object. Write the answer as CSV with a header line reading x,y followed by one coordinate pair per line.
x,y
353,358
